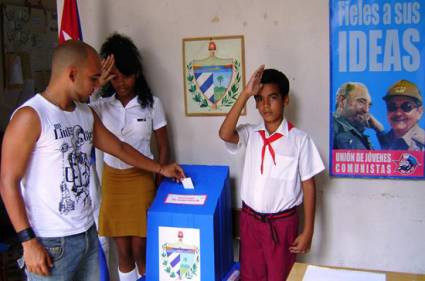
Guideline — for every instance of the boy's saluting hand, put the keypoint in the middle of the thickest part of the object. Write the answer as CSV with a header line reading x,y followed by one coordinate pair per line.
x,y
228,130
254,84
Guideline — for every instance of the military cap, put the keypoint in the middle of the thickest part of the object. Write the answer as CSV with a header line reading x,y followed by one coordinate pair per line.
x,y
403,88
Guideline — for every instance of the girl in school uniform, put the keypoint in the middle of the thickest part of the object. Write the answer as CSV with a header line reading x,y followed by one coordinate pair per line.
x,y
133,114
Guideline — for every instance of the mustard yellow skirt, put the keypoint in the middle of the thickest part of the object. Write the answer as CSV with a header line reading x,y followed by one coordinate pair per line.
x,y
126,197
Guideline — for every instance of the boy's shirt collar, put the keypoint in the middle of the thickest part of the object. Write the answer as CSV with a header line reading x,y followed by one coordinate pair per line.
x,y
282,129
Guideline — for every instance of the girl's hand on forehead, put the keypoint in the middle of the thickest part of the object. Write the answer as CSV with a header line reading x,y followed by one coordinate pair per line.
x,y
106,75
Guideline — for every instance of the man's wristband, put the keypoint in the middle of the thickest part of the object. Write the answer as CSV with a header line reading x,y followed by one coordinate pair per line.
x,y
25,235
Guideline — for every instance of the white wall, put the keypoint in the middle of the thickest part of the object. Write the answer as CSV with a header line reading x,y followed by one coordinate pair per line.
x,y
371,224
10,99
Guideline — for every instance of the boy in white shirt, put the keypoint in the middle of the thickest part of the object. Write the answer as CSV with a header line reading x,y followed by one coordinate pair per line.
x,y
279,168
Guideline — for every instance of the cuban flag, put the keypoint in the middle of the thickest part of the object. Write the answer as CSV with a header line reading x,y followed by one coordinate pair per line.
x,y
70,24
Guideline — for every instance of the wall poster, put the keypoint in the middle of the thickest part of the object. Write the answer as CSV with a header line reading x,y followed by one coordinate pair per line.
x,y
377,88
213,73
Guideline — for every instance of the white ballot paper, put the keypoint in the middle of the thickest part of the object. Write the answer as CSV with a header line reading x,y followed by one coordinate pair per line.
x,y
317,273
187,183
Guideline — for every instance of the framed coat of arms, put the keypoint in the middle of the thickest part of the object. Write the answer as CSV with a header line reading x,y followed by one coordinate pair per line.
x,y
213,73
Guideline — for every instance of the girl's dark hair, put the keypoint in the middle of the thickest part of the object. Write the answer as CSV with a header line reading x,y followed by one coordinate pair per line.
x,y
128,61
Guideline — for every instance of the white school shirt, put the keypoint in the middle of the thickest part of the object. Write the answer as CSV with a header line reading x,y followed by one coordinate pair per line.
x,y
55,187
279,187
131,124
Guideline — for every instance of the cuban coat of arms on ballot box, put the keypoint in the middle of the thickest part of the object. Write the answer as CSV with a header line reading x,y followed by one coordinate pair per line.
x,y
179,254
213,74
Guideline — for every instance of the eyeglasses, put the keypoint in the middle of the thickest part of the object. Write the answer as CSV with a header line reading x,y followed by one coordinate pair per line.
x,y
405,106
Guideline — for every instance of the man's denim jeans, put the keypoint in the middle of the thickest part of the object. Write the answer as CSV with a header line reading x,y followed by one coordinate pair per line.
x,y
74,257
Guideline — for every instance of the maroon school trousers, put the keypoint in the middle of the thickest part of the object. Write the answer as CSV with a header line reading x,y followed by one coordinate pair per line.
x,y
264,246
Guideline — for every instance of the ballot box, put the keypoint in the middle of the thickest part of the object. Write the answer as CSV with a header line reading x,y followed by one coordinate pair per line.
x,y
190,230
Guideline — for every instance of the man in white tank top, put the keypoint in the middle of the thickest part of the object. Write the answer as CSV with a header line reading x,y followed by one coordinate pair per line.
x,y
45,172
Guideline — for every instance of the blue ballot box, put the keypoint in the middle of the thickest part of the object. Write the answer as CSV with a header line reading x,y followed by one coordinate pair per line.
x,y
190,230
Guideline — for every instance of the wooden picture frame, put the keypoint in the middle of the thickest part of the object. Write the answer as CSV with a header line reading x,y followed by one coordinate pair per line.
x,y
213,74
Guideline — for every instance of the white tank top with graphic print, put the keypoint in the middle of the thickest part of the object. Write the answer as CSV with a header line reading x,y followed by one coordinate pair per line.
x,y
55,187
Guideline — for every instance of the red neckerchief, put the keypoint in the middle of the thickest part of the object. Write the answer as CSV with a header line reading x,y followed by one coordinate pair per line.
x,y
267,142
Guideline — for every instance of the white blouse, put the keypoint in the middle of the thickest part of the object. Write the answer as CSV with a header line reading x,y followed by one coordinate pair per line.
x,y
131,124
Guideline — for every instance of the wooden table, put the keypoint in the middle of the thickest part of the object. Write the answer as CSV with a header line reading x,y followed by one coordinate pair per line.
x,y
299,269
